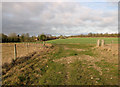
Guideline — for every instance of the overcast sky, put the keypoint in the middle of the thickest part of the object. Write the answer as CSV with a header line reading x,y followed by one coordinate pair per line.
x,y
56,18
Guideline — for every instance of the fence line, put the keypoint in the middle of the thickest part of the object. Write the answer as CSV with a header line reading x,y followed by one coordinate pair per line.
x,y
15,50
12,51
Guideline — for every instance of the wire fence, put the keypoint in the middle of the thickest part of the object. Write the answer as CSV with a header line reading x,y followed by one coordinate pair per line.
x,y
12,50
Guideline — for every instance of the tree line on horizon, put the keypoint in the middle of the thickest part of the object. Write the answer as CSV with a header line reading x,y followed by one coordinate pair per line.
x,y
13,37
97,35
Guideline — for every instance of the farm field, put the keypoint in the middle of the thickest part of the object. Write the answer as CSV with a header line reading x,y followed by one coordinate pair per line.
x,y
83,40
72,61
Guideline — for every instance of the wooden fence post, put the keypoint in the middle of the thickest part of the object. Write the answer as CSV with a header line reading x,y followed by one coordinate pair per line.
x,y
102,43
27,47
43,43
15,52
35,46
98,43
111,43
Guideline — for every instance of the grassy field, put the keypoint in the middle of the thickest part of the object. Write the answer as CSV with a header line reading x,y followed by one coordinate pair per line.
x,y
74,61
82,40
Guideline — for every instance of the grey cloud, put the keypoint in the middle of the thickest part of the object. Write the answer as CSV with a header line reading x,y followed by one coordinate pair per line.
x,y
56,18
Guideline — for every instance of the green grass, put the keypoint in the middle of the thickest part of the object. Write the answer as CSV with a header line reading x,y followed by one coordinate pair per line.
x,y
82,40
63,53
54,75
112,72
81,75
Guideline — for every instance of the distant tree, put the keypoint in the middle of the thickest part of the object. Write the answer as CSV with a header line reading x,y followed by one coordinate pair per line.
x,y
106,34
49,36
118,34
3,38
61,37
18,36
25,37
89,34
22,38
13,37
34,38
42,37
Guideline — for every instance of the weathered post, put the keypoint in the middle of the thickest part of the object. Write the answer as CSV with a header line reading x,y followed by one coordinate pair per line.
x,y
111,44
43,43
35,46
15,52
27,47
98,43
102,43
112,41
